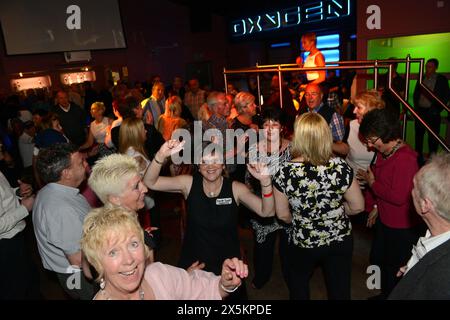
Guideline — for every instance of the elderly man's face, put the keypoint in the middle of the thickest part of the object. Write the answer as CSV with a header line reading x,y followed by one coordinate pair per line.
x,y
158,92
313,96
62,99
132,198
123,261
77,169
430,68
194,85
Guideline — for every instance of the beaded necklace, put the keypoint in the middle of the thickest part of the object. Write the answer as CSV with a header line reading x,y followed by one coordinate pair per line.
x,y
394,148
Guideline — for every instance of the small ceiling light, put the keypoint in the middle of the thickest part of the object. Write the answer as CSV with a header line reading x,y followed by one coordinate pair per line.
x,y
21,74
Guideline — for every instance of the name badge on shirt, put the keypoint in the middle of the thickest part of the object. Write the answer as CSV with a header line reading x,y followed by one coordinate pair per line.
x,y
223,201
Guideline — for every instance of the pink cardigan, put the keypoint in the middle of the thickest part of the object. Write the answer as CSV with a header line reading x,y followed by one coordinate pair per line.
x,y
391,191
172,283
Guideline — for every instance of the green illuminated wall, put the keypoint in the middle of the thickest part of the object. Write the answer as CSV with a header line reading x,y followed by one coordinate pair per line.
x,y
421,46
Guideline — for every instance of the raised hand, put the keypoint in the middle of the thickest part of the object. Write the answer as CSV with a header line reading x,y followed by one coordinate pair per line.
x,y
195,266
260,171
25,189
233,270
170,147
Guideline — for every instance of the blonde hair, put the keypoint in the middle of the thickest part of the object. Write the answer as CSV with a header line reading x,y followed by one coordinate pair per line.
x,y
243,99
103,223
110,174
130,135
312,139
173,106
371,99
99,106
311,36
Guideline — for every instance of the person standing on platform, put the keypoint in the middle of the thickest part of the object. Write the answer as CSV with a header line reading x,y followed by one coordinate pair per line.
x,y
314,59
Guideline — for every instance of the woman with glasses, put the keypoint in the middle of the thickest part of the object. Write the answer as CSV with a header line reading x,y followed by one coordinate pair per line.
x,y
390,182
212,204
359,155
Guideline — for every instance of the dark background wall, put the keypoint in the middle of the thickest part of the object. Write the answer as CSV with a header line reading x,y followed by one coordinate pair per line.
x,y
160,41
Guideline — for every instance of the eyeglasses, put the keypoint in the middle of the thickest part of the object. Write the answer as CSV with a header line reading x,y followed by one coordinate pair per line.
x,y
372,140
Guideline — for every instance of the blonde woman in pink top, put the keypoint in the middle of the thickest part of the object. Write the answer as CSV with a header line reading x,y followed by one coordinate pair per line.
x,y
113,244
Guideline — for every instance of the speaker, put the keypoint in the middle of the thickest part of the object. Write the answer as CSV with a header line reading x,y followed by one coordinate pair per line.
x,y
75,56
200,20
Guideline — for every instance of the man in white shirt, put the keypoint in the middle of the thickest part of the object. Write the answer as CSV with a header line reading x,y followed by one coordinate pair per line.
x,y
58,215
426,275
19,278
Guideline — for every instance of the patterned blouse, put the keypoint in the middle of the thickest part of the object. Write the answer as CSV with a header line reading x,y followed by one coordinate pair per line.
x,y
265,226
315,194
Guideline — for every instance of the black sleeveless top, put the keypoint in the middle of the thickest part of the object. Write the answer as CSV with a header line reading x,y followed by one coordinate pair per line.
x,y
211,228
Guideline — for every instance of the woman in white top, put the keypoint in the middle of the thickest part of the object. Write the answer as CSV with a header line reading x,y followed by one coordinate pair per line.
x,y
359,156
132,136
314,59
98,129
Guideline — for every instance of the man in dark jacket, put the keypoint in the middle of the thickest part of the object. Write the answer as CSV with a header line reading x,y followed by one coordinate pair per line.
x,y
427,108
426,275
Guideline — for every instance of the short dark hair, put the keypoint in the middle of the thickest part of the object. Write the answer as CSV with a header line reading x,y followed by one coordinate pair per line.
x,y
272,113
381,123
434,61
53,160
126,107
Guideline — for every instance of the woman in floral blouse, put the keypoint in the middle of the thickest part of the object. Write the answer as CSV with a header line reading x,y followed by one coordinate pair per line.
x,y
310,190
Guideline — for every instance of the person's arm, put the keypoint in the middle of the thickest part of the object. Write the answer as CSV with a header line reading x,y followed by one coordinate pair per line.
x,y
75,259
10,211
89,141
398,190
233,270
154,181
354,199
264,206
282,209
340,148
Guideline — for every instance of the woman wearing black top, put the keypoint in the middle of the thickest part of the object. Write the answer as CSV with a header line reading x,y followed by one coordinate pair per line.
x,y
212,204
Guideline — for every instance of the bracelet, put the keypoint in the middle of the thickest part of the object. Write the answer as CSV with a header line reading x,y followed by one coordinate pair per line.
x,y
157,161
228,290
268,195
267,185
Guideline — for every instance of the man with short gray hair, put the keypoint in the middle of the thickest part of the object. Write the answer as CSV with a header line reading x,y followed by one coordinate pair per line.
x,y
58,216
426,275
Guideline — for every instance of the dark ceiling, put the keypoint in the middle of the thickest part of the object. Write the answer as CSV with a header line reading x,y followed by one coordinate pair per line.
x,y
237,8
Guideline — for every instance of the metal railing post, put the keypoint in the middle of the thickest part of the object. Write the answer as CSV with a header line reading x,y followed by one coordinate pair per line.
x,y
414,113
280,83
259,88
225,79
405,117
375,71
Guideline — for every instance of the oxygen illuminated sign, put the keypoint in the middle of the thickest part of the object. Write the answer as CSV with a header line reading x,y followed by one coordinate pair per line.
x,y
306,13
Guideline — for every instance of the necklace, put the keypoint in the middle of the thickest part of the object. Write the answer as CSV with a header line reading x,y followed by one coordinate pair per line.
x,y
141,294
212,194
394,148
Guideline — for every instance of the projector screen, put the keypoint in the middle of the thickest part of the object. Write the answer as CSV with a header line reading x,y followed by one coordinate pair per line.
x,y
31,26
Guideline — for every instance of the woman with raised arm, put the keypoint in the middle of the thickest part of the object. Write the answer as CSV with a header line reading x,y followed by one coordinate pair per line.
x,y
212,204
